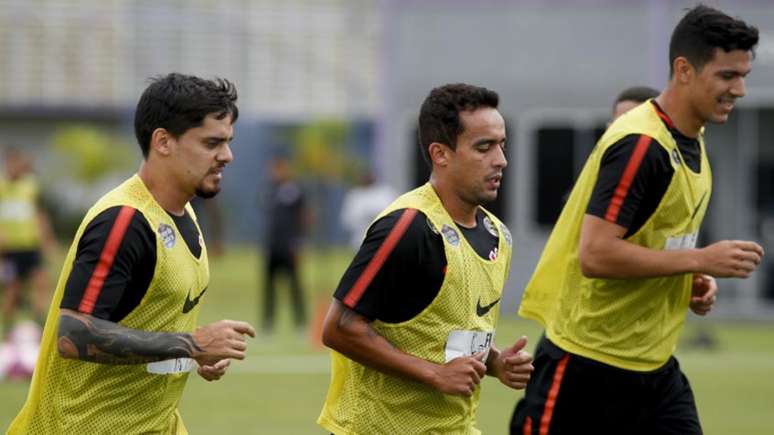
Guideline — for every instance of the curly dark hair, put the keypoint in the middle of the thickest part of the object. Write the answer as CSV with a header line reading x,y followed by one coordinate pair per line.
x,y
439,117
702,30
178,102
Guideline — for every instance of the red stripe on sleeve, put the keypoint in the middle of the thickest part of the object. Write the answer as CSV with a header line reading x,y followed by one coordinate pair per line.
x,y
356,292
106,259
528,426
626,179
553,393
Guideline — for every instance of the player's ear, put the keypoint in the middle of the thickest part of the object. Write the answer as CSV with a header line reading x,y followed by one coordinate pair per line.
x,y
439,154
162,141
683,70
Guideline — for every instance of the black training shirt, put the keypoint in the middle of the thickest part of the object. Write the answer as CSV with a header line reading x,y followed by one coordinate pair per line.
x,y
129,273
399,281
647,179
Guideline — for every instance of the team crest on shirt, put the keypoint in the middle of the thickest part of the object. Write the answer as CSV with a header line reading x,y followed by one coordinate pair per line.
x,y
432,227
490,227
675,156
506,234
451,235
493,254
167,234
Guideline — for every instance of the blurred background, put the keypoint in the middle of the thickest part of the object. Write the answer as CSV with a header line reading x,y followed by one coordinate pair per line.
x,y
333,88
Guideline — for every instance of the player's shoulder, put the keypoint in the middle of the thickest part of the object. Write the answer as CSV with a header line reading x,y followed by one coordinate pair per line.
x,y
122,217
640,144
403,216
409,223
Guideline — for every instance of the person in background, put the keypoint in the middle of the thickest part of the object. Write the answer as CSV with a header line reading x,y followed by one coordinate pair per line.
x,y
25,236
362,204
630,98
286,222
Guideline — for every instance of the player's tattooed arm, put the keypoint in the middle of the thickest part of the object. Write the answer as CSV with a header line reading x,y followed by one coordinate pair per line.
x,y
88,338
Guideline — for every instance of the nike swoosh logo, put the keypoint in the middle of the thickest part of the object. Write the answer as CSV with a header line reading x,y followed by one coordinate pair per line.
x,y
480,311
191,303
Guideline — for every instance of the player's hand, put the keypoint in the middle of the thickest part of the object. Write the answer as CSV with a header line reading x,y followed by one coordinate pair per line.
x,y
513,366
730,258
460,375
219,340
215,371
703,294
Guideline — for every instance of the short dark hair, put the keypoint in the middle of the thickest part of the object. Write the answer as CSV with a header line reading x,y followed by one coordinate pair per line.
x,y
178,102
639,94
439,117
702,30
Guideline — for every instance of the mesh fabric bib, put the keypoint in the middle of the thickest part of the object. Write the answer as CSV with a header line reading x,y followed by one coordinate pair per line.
x,y
628,323
78,397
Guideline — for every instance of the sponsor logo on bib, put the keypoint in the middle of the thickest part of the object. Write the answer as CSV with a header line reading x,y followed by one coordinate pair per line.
x,y
167,234
451,235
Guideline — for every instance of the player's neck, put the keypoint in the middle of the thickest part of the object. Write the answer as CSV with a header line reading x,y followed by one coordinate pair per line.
x,y
460,211
679,110
169,197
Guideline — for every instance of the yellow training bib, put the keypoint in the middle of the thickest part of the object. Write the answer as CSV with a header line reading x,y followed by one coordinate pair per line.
x,y
629,323
78,397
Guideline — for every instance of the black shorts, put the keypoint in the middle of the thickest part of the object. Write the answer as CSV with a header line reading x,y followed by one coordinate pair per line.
x,y
570,394
19,264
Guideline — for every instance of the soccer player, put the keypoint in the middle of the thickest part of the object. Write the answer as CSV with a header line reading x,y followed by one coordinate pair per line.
x,y
630,98
121,335
25,233
413,319
620,269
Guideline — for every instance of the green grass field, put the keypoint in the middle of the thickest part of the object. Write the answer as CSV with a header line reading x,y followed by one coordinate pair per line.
x,y
281,386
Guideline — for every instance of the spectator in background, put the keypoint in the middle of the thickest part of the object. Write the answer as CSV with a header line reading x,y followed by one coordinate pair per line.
x,y
25,233
211,220
362,204
286,220
630,98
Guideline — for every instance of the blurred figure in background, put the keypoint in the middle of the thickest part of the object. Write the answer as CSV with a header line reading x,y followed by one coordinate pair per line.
x,y
630,98
621,269
25,235
211,221
286,222
362,204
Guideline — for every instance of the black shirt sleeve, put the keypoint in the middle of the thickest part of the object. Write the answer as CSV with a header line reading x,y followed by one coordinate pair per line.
x,y
126,276
395,282
633,177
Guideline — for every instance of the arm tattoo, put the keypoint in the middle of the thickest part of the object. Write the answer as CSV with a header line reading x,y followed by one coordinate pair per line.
x,y
88,338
